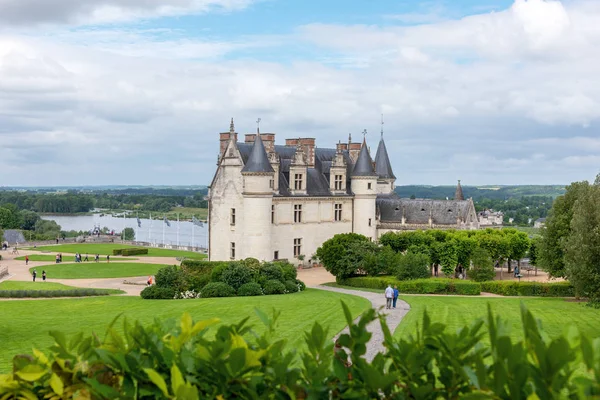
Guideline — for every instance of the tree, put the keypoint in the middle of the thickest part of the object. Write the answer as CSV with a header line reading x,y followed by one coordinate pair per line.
x,y
582,245
413,266
9,217
334,254
29,219
518,243
558,227
128,234
446,254
483,266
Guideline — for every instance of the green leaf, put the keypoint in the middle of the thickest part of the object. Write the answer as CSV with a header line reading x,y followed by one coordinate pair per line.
x,y
57,384
60,339
176,378
31,373
264,318
157,380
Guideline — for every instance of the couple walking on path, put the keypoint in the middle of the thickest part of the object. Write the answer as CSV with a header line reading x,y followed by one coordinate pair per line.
x,y
391,297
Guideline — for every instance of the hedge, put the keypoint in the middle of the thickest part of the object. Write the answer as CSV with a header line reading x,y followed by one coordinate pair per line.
x,y
463,287
158,293
53,293
542,289
217,289
130,251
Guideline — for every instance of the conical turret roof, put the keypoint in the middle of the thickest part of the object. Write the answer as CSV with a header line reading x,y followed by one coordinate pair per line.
x,y
458,195
363,165
258,161
383,167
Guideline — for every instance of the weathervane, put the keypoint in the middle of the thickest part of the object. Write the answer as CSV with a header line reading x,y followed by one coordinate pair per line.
x,y
382,126
258,125
364,134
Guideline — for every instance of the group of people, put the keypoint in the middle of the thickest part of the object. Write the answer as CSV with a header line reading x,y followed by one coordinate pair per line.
x,y
34,275
391,297
78,257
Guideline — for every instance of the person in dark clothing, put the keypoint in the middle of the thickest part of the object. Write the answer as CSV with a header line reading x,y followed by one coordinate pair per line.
x,y
34,274
97,258
396,294
26,260
107,258
435,269
86,257
44,276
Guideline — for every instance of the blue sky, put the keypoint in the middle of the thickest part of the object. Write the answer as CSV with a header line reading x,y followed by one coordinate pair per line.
x,y
135,92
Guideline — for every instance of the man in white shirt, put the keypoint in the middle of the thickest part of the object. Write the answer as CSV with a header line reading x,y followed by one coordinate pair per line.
x,y
389,295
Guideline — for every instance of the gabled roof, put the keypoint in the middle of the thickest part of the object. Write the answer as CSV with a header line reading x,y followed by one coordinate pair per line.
x,y
364,165
383,167
258,161
418,211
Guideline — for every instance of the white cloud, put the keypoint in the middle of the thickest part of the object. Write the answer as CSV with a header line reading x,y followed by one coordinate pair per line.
x,y
501,97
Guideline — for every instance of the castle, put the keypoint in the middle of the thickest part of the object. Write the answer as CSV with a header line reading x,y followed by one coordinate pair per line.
x,y
272,202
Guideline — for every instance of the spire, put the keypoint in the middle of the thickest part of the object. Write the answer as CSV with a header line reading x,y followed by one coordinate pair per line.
x,y
231,127
363,165
381,127
258,161
383,167
459,193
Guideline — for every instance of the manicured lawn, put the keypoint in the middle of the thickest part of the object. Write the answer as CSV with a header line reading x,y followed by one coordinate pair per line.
x,y
26,323
47,257
107,248
456,312
41,285
96,270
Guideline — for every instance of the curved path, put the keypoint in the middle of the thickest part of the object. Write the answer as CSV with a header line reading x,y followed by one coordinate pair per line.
x,y
393,317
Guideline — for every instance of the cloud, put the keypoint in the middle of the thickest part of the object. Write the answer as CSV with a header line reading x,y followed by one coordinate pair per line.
x,y
495,98
82,12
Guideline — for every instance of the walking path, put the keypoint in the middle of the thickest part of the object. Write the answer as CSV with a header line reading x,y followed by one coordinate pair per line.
x,y
393,317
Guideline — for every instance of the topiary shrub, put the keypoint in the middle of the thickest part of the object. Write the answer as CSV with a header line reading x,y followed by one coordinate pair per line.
x,y
250,289
217,289
170,277
300,284
413,266
274,286
196,282
236,274
271,271
483,266
290,273
291,286
155,292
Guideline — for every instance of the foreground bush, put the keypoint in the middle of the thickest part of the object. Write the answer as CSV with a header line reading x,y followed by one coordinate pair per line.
x,y
184,361
155,292
217,289
416,286
53,293
273,287
250,289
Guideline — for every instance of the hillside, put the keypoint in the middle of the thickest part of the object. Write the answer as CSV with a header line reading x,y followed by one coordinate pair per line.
x,y
480,192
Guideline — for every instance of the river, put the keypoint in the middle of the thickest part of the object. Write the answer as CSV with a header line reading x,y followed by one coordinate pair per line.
x,y
152,231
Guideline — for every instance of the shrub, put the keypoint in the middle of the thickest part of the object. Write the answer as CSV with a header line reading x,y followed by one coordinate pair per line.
x,y
196,282
483,266
290,286
416,286
250,289
271,271
52,293
542,289
217,289
236,274
155,292
290,272
130,251
216,274
201,266
334,255
170,277
413,266
274,287
300,284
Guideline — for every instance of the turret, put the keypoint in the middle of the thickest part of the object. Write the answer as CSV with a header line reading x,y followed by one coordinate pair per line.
x,y
258,175
364,181
383,168
458,195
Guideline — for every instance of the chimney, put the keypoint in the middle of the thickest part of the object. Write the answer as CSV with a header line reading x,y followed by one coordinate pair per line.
x,y
341,146
249,137
269,141
354,149
309,148
291,142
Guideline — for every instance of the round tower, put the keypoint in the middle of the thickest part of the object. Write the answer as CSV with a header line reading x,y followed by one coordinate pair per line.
x,y
258,198
364,187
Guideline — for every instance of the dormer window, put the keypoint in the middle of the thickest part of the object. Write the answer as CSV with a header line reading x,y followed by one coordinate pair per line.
x,y
297,181
422,209
338,182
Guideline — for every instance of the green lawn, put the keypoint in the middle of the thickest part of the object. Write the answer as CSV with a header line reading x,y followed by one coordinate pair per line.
x,y
107,248
47,257
96,270
41,285
455,312
26,323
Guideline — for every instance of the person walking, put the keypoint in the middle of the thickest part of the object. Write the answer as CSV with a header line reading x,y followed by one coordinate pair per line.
x,y
107,258
396,293
57,259
26,260
44,276
97,258
86,257
435,270
34,274
389,295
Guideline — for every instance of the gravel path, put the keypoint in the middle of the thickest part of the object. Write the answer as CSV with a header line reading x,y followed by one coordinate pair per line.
x,y
393,317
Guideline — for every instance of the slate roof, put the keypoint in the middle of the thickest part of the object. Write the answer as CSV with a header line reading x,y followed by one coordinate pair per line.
x,y
318,177
417,211
14,236
383,167
364,165
258,160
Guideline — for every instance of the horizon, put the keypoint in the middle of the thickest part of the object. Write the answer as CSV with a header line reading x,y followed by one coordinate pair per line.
x,y
98,91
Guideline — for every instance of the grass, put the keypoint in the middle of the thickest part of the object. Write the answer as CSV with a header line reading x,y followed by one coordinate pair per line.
x,y
96,270
187,212
298,313
107,249
46,257
41,285
456,312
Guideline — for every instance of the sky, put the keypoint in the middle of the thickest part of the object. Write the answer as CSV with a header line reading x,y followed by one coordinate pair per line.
x,y
102,92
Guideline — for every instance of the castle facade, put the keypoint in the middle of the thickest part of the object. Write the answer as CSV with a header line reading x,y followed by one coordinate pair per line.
x,y
271,202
